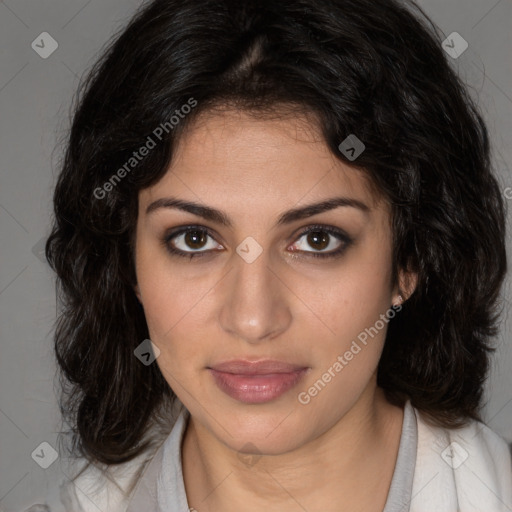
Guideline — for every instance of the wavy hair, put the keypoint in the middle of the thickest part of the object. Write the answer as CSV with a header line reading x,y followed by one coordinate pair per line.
x,y
374,68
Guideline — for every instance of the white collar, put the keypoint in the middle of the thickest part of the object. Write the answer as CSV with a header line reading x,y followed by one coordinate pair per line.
x,y
463,470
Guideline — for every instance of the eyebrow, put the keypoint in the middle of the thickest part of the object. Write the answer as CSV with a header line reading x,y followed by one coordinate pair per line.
x,y
219,217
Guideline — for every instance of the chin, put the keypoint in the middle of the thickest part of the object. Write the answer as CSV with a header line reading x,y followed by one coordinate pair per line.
x,y
272,432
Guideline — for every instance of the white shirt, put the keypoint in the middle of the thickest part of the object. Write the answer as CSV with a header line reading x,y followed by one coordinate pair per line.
x,y
437,470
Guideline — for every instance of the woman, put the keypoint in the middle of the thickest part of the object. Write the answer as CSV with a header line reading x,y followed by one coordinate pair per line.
x,y
280,245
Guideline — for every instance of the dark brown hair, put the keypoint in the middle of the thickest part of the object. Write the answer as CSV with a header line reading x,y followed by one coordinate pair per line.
x,y
371,68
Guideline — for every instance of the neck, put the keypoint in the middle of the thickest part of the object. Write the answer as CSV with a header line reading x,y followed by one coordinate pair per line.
x,y
357,455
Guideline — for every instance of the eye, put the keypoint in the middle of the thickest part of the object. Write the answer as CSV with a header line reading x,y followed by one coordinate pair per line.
x,y
321,238
193,241
190,237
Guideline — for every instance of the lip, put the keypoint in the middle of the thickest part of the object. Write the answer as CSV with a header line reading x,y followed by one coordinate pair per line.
x,y
265,366
255,382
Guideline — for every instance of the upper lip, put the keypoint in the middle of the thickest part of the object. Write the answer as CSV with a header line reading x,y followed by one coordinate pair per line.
x,y
264,367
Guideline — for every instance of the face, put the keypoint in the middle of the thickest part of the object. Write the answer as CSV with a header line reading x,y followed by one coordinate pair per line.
x,y
251,273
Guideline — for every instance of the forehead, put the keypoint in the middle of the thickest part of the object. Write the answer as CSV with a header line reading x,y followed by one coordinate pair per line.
x,y
234,155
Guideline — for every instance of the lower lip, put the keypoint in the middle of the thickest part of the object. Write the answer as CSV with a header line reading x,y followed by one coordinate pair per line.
x,y
256,389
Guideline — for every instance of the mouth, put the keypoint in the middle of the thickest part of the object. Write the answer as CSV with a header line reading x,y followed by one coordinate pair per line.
x,y
256,382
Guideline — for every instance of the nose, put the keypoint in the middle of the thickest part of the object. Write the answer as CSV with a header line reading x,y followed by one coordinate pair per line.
x,y
255,301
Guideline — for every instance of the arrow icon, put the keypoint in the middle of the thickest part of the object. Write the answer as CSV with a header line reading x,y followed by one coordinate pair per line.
x,y
250,459
249,245
454,455
147,352
44,455
455,45
352,147
44,45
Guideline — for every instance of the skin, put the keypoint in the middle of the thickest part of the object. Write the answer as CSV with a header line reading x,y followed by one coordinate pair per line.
x,y
285,305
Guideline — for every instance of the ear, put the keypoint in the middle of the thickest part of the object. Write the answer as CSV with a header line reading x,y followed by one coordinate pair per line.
x,y
407,282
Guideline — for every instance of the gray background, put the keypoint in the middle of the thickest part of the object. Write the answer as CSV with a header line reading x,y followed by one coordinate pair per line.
x,y
35,96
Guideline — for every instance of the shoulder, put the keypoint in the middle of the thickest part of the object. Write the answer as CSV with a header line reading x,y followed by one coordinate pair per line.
x,y
90,488
469,467
95,488
475,441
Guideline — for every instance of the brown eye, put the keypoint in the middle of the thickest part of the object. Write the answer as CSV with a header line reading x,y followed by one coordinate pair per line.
x,y
320,238
190,242
195,239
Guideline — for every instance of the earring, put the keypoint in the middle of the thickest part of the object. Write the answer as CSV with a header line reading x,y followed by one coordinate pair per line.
x,y
400,299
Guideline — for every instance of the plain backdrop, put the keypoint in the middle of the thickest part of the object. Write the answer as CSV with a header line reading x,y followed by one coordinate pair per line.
x,y
35,96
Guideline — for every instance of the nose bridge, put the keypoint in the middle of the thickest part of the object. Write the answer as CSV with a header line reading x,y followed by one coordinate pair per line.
x,y
255,304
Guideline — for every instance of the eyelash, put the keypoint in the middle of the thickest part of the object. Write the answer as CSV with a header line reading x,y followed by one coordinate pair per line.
x,y
336,233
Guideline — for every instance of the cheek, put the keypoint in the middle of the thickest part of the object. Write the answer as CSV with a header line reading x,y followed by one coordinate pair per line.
x,y
348,353
351,298
158,286
158,291
351,334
